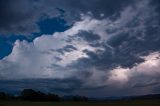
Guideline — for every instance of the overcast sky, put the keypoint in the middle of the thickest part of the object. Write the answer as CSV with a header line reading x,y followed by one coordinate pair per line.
x,y
95,48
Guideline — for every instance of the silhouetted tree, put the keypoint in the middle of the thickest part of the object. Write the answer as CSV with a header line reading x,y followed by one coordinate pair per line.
x,y
29,94
4,96
80,98
52,97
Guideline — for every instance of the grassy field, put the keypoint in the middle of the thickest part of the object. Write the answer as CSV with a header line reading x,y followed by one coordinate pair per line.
x,y
117,103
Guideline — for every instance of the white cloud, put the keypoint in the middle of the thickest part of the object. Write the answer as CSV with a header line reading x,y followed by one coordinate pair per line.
x,y
119,75
151,65
37,59
144,72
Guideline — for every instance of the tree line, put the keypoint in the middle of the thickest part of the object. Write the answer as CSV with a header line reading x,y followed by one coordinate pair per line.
x,y
32,95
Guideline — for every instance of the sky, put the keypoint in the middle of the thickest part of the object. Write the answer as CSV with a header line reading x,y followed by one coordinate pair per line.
x,y
94,48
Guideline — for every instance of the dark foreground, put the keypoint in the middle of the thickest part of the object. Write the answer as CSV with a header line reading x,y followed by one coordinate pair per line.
x,y
111,103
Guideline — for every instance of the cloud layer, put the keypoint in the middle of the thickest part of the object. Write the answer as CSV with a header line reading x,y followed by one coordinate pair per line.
x,y
21,17
101,52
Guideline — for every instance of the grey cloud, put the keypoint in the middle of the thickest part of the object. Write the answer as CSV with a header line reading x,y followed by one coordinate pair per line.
x,y
67,48
21,17
146,85
96,7
118,39
133,34
48,85
88,36
16,17
128,44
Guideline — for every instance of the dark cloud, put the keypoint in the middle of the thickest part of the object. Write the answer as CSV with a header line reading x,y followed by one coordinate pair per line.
x,y
146,85
126,47
126,52
88,36
118,39
16,17
96,7
21,17
67,48
131,32
64,86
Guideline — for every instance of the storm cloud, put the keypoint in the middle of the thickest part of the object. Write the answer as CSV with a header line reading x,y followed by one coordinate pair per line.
x,y
111,47
21,17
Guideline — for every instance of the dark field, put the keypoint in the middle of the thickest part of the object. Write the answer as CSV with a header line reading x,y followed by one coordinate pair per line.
x,y
113,103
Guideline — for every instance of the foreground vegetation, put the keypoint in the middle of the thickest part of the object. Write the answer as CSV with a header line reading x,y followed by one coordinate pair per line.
x,y
29,97
111,103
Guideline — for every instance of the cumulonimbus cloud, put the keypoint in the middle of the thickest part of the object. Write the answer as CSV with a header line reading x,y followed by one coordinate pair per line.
x,y
113,57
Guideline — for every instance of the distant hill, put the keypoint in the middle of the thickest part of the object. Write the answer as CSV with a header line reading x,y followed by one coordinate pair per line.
x,y
31,95
140,97
150,96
